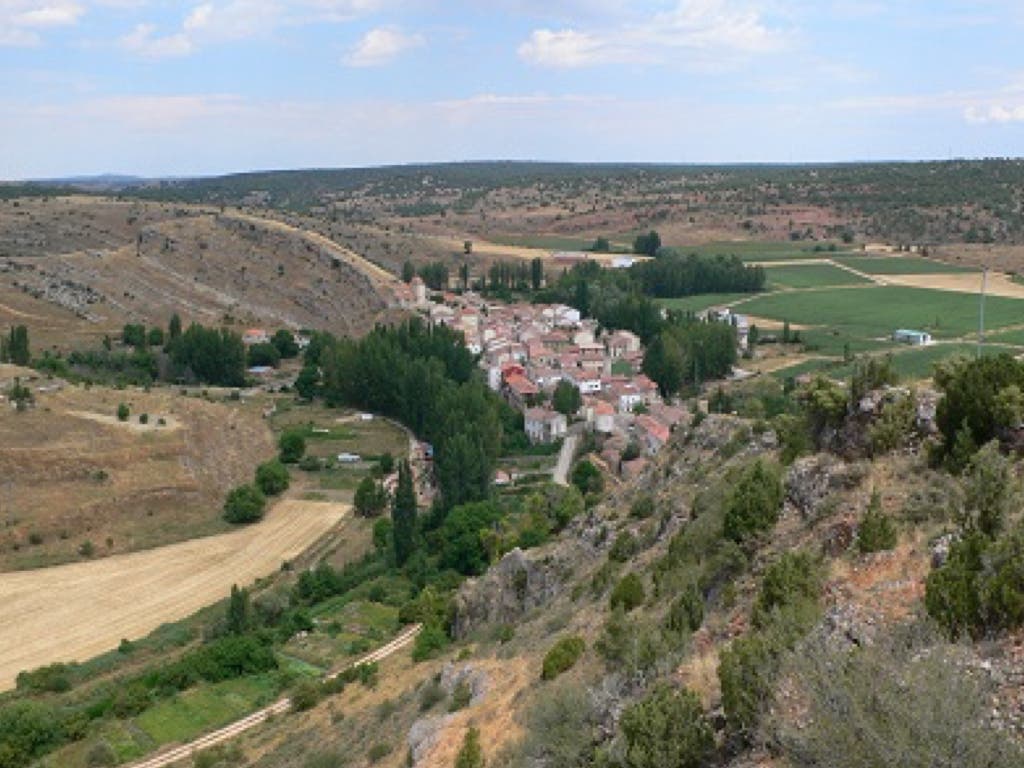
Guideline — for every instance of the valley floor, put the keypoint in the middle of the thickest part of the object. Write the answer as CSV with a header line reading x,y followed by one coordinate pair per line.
x,y
77,611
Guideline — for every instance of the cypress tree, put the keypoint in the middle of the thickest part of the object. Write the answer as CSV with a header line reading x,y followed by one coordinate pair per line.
x,y
403,514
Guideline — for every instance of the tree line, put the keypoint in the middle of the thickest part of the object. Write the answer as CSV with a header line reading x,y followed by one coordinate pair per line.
x,y
424,377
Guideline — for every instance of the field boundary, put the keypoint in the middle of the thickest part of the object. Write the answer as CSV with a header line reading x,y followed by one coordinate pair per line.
x,y
282,705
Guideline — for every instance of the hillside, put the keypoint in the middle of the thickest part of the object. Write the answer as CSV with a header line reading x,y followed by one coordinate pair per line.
x,y
932,202
76,478
77,268
808,616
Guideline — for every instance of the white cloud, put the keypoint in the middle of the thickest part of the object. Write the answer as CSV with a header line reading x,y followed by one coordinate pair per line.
x,y
22,20
995,113
704,33
380,46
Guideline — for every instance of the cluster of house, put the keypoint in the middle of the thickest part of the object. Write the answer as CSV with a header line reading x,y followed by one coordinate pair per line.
x,y
527,349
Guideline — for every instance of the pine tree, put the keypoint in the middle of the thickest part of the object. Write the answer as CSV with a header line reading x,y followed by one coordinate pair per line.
x,y
403,515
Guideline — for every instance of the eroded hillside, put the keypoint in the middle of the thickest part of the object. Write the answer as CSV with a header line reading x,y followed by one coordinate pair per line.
x,y
77,268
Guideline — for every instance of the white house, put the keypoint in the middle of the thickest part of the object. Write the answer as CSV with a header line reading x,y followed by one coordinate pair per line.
x,y
916,338
544,426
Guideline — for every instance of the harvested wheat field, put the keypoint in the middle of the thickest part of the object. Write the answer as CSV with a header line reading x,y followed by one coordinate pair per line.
x,y
75,482
74,612
999,284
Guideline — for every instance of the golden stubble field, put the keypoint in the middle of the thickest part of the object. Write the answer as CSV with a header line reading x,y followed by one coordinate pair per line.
x,y
76,483
76,611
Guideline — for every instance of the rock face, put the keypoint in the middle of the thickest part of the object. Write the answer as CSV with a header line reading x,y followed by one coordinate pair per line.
x,y
813,479
520,582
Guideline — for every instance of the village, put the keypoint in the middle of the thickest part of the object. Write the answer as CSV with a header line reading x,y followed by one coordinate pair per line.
x,y
526,350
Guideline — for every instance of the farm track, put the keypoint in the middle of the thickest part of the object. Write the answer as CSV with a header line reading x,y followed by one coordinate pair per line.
x,y
279,707
80,610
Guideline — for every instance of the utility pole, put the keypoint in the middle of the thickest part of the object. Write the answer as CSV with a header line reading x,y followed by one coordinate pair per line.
x,y
981,312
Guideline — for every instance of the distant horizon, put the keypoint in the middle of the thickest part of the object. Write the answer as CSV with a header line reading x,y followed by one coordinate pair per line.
x,y
127,176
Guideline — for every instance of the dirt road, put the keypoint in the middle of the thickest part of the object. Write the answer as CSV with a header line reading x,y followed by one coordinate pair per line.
x,y
74,612
280,706
565,456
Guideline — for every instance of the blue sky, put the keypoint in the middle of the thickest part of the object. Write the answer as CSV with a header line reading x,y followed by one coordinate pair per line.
x,y
162,87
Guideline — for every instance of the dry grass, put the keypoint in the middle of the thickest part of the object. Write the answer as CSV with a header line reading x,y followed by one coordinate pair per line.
x,y
80,610
71,472
999,284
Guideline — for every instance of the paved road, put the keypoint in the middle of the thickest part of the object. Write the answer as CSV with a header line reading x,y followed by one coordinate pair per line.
x,y
280,706
565,456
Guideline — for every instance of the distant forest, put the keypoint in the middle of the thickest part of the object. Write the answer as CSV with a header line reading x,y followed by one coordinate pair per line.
x,y
948,201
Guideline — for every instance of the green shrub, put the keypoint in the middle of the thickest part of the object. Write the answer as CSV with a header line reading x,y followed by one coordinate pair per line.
x,y
305,695
643,507
876,531
562,657
123,412
980,588
746,674
310,464
292,446
27,730
630,645
378,752
470,753
244,504
628,593
100,754
54,678
667,728
431,695
624,547
686,613
755,501
272,478
462,695
144,418
431,640
791,581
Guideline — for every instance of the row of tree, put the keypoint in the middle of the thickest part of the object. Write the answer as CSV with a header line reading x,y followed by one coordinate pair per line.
x,y
689,351
14,346
426,378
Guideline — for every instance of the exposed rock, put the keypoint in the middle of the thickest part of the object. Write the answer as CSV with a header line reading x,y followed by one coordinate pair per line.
x,y
423,736
812,480
520,582
453,675
940,549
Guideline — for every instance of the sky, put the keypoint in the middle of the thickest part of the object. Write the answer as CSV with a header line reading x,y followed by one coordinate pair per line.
x,y
170,88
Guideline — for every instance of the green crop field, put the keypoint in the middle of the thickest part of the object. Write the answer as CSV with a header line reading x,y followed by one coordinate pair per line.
x,y
752,250
1014,337
874,312
206,707
900,265
703,301
910,363
812,276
